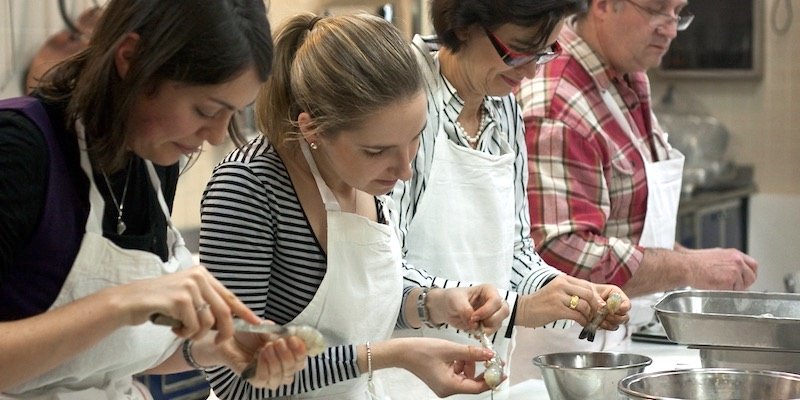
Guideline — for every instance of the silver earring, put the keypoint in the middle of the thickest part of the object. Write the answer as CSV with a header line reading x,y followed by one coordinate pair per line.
x,y
313,145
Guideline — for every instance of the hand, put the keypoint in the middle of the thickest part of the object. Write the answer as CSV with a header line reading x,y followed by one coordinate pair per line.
x,y
720,269
612,321
468,308
192,296
446,367
552,302
277,359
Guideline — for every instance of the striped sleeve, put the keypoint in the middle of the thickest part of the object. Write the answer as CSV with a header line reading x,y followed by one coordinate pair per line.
x,y
255,239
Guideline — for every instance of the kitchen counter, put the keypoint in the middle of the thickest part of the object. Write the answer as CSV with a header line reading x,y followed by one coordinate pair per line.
x,y
665,357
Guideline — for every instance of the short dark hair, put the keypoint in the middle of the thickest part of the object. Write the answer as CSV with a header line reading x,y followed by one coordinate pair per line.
x,y
449,16
188,41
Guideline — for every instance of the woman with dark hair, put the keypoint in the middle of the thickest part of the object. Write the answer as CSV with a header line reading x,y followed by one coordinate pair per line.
x,y
471,167
89,168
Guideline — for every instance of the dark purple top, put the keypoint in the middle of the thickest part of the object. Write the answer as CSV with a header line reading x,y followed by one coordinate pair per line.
x,y
45,210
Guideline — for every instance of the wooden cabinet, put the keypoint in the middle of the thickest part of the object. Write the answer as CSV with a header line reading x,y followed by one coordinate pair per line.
x,y
715,219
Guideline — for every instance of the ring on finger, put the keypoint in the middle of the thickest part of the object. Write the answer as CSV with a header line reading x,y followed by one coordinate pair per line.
x,y
573,302
202,307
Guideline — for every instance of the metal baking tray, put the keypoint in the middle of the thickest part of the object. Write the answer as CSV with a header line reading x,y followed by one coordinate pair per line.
x,y
731,318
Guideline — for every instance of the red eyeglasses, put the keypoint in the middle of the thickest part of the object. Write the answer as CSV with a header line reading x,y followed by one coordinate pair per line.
x,y
516,59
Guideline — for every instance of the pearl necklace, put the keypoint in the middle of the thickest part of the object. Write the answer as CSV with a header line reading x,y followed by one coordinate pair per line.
x,y
472,140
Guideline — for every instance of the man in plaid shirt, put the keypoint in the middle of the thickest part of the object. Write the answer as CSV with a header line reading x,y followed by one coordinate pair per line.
x,y
598,158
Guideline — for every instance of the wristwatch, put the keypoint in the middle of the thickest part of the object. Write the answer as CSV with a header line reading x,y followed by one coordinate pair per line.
x,y
422,308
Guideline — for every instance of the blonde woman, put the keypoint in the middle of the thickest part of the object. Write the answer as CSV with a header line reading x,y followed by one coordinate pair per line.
x,y
297,224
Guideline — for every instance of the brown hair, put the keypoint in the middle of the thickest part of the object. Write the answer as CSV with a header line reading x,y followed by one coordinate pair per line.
x,y
193,42
338,69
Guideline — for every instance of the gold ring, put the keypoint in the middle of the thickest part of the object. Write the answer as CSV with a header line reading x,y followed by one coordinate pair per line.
x,y
573,301
202,307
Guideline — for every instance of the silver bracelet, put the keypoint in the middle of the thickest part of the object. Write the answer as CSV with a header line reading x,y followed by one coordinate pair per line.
x,y
187,355
369,363
422,309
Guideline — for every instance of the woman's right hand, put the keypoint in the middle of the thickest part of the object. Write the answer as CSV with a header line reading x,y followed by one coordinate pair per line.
x,y
446,367
192,296
552,302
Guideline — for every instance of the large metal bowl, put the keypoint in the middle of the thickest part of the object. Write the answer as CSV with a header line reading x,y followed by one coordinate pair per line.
x,y
587,375
711,384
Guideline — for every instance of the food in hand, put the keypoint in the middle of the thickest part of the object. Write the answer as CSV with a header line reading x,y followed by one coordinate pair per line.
x,y
612,305
312,338
493,374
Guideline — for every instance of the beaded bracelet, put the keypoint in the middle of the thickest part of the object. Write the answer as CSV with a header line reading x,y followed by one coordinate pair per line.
x,y
187,355
369,363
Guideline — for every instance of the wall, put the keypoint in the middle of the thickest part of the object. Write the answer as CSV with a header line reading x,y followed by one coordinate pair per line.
x,y
761,115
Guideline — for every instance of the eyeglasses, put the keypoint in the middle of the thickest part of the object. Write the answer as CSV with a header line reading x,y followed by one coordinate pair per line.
x,y
659,19
516,59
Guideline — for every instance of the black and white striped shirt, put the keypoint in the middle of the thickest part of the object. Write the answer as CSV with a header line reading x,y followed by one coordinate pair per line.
x,y
255,238
503,122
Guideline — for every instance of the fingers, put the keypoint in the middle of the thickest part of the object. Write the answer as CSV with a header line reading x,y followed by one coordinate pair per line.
x,y
277,364
223,303
487,303
749,274
471,353
491,313
470,307
469,386
201,303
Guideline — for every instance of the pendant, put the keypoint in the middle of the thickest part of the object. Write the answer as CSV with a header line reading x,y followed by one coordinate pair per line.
x,y
121,226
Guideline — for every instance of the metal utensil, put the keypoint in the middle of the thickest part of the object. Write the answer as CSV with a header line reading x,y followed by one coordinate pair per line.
x,y
239,325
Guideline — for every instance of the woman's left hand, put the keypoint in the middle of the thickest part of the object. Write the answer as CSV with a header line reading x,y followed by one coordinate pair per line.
x,y
275,359
468,308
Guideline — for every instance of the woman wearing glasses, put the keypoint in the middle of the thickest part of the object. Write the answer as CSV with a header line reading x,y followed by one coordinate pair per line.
x,y
463,215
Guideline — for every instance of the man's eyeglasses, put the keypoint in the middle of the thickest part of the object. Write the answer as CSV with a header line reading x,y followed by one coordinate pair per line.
x,y
659,19
516,59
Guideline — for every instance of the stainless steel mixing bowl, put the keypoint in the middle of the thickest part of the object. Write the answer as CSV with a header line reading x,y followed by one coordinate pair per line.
x,y
711,384
587,375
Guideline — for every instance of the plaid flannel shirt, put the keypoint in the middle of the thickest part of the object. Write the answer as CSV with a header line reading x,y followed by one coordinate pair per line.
x,y
587,188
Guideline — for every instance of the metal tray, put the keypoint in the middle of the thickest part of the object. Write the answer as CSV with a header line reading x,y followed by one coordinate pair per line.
x,y
733,319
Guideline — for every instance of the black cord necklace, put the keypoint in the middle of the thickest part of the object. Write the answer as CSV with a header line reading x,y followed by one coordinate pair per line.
x,y
120,204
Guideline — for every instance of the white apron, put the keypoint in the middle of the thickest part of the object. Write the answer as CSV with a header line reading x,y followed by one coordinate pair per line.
x,y
359,298
463,230
664,180
105,370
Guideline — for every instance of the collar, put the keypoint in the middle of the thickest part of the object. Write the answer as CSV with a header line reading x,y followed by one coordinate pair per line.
x,y
604,76
601,73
